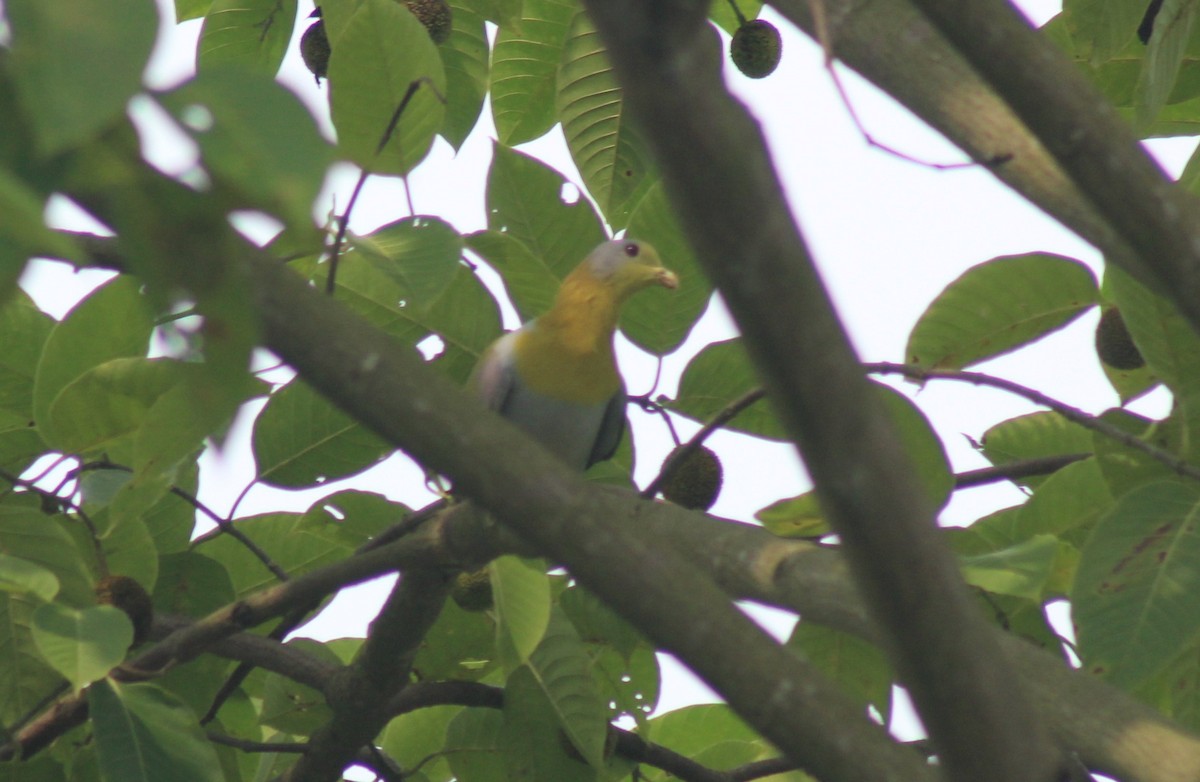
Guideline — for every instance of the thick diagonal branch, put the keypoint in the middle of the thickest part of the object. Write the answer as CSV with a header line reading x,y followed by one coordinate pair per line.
x,y
723,186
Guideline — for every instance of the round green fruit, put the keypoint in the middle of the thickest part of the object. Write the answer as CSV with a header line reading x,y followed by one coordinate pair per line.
x,y
756,48
1114,345
695,482
435,15
128,595
314,49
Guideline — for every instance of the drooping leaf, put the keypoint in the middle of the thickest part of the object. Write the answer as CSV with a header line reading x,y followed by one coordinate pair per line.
x,y
521,592
1020,570
1164,56
465,59
382,54
77,64
144,734
251,35
550,694
1132,601
23,330
1171,349
998,306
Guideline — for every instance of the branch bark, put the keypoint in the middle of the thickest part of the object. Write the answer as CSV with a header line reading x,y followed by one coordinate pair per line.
x,y
724,189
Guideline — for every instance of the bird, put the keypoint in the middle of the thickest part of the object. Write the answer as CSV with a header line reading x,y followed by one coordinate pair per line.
x,y
556,376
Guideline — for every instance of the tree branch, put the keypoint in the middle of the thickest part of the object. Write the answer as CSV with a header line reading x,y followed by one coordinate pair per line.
x,y
1094,146
724,189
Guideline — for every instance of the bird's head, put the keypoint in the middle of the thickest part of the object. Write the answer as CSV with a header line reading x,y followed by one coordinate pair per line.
x,y
626,266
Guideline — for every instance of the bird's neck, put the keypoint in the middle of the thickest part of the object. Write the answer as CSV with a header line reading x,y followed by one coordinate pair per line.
x,y
575,342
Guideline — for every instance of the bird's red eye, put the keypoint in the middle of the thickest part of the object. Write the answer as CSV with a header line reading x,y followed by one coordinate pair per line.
x,y
632,249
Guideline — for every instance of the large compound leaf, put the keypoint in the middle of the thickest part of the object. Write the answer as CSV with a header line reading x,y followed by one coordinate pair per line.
x,y
607,150
525,70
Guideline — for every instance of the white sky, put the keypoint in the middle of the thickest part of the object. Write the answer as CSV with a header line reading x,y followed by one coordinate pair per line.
x,y
888,236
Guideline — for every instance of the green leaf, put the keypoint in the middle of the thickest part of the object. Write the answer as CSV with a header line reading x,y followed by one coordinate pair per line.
x,y
351,518
660,322
1021,570
24,677
251,35
276,535
108,403
82,644
716,377
525,69
553,692
191,584
1034,436
1133,599
77,64
1124,467
465,317
465,59
382,53
999,306
721,13
256,138
112,322
521,592
23,331
629,684
922,444
292,707
1164,56
418,737
525,200
461,645
300,439
420,253
1171,349
860,668
23,577
31,535
25,232
1101,28
474,746
1071,499
710,734
144,734
191,9
609,153
795,517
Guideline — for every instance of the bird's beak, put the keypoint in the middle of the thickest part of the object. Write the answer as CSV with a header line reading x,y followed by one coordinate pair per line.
x,y
667,278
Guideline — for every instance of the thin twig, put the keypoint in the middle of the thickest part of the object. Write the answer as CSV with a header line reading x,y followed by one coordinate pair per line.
x,y
1072,414
1011,471
683,452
